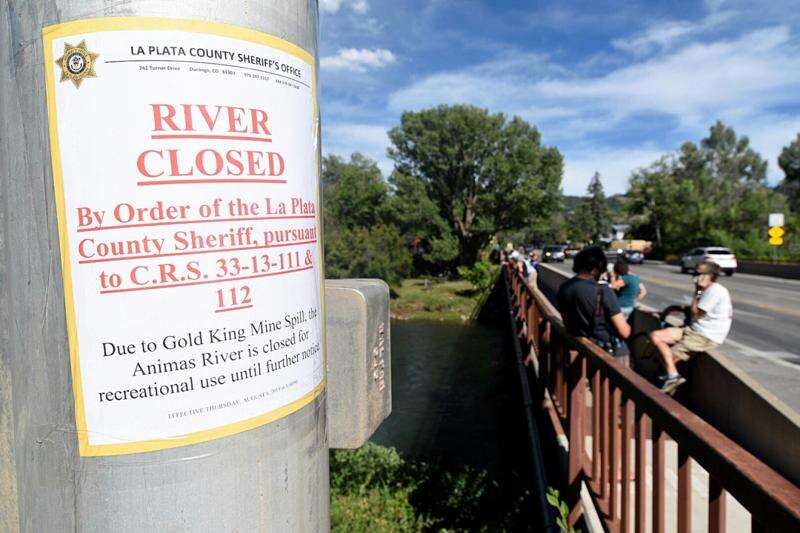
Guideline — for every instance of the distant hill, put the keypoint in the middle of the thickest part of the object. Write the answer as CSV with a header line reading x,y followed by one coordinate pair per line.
x,y
614,202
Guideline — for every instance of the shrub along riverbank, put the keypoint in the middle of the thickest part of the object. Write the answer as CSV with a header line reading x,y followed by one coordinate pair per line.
x,y
375,489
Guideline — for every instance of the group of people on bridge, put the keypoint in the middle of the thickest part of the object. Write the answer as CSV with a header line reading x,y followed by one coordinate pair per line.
x,y
598,301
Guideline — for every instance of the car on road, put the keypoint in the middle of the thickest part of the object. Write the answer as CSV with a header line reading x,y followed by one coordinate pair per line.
x,y
553,253
716,254
634,257
612,254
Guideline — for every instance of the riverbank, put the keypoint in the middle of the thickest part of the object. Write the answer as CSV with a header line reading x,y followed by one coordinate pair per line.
x,y
434,299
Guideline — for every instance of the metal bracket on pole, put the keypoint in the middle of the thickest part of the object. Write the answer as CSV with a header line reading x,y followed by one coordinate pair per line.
x,y
359,359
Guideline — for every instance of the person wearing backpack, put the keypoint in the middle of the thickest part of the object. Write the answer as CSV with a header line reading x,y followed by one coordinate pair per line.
x,y
590,308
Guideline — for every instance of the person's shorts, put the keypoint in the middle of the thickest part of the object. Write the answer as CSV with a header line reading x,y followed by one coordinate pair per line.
x,y
688,341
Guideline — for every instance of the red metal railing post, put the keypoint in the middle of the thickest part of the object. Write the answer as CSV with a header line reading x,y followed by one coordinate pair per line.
x,y
605,453
716,506
614,452
625,514
641,465
535,326
577,408
596,460
558,347
684,492
659,438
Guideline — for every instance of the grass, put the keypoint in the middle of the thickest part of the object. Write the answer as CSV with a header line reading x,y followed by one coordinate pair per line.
x,y
434,299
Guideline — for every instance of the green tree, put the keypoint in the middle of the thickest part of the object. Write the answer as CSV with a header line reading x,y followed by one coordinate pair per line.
x,y
591,218
484,173
375,252
654,198
417,216
599,212
360,237
580,223
355,193
789,162
731,158
714,192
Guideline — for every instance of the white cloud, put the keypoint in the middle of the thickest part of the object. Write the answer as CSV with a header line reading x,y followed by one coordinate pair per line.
x,y
614,165
663,35
333,6
500,84
345,138
697,83
358,59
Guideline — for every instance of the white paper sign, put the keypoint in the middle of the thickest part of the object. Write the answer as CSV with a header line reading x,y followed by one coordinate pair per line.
x,y
775,219
186,173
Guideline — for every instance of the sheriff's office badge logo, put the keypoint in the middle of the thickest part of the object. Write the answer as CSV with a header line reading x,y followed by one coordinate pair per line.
x,y
77,63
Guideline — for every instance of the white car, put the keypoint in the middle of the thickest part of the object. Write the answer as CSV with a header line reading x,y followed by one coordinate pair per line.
x,y
716,254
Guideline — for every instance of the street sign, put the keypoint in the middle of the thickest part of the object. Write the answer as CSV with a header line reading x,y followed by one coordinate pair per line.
x,y
775,241
775,219
776,232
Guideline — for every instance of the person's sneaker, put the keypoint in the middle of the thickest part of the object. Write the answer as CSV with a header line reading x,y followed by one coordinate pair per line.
x,y
672,383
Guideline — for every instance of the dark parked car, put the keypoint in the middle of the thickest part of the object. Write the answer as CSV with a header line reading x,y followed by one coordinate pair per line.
x,y
630,256
634,257
553,253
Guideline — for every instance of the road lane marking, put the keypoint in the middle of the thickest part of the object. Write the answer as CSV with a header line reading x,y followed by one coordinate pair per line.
x,y
752,352
736,299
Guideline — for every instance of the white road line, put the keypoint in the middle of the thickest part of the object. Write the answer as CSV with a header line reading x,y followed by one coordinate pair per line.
x,y
738,275
752,352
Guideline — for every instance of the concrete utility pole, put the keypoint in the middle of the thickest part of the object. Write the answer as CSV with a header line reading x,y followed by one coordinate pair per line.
x,y
270,478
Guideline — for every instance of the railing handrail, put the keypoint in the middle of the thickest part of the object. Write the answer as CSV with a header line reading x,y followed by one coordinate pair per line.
x,y
761,490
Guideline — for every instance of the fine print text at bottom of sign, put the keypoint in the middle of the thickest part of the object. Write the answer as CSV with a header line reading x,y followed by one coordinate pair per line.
x,y
213,358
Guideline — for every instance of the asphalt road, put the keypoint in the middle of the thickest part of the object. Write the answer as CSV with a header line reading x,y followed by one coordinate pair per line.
x,y
765,336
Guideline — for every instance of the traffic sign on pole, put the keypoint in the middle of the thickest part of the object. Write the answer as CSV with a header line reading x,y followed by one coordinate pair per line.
x,y
776,232
775,241
775,219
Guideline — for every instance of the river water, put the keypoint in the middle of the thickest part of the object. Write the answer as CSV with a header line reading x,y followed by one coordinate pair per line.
x,y
452,397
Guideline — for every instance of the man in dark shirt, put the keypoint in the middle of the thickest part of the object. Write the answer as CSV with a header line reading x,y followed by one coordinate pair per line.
x,y
590,309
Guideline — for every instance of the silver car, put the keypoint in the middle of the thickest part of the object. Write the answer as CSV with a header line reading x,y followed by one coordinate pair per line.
x,y
716,254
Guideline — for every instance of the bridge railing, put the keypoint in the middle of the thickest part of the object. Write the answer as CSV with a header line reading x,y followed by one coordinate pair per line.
x,y
593,395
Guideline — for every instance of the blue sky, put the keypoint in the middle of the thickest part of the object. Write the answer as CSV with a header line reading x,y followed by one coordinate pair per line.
x,y
613,85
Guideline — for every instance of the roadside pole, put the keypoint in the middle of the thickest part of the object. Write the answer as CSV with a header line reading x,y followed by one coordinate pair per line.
x,y
268,475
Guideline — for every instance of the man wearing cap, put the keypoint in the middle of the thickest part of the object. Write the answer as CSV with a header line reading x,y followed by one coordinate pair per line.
x,y
711,317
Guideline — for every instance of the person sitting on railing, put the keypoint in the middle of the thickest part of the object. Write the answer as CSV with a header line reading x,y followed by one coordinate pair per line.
x,y
589,308
711,316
